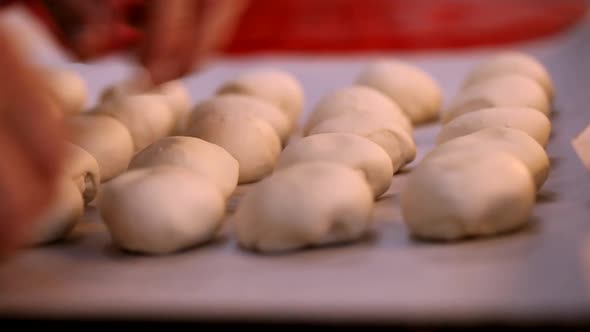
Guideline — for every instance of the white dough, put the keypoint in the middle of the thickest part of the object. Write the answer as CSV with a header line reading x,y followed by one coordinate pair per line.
x,y
248,105
305,205
274,86
467,193
106,139
512,141
252,141
388,135
60,217
179,102
82,168
347,149
357,99
202,157
67,88
529,120
506,90
147,117
511,63
161,210
414,90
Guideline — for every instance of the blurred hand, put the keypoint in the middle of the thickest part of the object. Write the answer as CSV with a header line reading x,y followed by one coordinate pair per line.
x,y
30,146
176,36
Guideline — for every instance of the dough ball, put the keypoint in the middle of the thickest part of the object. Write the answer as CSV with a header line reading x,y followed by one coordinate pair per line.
x,y
388,135
161,210
60,217
511,63
147,117
106,139
178,99
305,205
467,193
347,149
202,157
526,119
357,99
581,145
274,86
512,141
137,84
82,168
67,88
252,141
506,90
417,94
249,105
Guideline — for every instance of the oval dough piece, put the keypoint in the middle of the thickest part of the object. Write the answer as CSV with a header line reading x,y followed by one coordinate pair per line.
x,y
249,105
467,193
179,102
357,99
414,90
82,168
390,136
147,117
161,210
506,90
305,205
252,141
60,217
106,139
511,63
67,88
274,86
526,119
512,141
202,157
347,149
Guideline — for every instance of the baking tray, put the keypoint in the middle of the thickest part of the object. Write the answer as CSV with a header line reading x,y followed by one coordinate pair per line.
x,y
539,274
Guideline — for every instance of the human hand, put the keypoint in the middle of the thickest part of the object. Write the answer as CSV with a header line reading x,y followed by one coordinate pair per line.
x,y
30,146
175,36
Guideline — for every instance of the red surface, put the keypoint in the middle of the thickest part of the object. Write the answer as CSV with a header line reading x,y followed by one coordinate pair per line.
x,y
369,25
353,25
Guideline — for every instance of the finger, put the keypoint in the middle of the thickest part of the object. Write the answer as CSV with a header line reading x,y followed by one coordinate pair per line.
x,y
33,123
23,194
169,34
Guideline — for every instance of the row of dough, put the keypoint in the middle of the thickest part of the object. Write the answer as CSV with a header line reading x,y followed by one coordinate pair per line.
x,y
345,171
325,184
128,120
482,177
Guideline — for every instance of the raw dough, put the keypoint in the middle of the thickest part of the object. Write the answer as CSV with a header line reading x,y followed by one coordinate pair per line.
x,y
305,205
389,135
513,141
511,63
202,157
249,105
346,149
61,216
252,141
147,117
161,210
82,168
506,90
106,139
357,99
414,90
467,193
526,119
274,86
581,145
179,102
67,88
